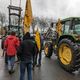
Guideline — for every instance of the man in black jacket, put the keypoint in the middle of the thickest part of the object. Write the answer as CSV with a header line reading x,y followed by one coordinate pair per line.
x,y
26,52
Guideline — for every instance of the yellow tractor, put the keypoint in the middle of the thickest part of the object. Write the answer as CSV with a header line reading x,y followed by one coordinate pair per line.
x,y
66,43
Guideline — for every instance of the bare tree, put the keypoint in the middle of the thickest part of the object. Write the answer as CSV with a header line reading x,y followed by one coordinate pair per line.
x,y
14,20
2,22
34,22
2,18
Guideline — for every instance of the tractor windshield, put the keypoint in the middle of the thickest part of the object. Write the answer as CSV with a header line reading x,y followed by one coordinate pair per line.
x,y
77,26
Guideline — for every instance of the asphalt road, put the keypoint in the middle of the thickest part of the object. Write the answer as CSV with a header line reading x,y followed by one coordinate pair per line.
x,y
49,70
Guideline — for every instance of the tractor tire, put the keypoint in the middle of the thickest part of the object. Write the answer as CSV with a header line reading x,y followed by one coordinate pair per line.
x,y
68,55
48,50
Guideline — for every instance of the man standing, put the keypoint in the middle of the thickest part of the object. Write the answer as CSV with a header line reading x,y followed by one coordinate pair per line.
x,y
38,40
26,52
11,43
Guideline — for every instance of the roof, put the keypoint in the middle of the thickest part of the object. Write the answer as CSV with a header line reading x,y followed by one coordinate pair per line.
x,y
70,18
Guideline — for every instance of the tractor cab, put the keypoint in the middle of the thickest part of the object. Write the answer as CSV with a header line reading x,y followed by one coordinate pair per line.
x,y
71,26
68,25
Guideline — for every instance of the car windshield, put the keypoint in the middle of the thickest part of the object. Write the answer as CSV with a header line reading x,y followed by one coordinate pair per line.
x,y
77,26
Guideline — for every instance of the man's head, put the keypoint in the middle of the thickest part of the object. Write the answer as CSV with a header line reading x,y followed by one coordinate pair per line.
x,y
13,33
27,36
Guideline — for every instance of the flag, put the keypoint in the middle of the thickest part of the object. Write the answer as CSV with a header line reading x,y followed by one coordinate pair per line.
x,y
28,16
38,39
59,27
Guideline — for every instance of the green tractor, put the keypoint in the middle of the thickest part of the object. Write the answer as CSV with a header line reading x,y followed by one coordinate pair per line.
x,y
65,44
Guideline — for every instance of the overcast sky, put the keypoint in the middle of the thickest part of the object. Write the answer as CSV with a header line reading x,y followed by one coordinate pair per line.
x,y
49,8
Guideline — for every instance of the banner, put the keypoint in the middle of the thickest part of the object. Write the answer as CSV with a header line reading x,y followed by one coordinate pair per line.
x,y
28,16
38,39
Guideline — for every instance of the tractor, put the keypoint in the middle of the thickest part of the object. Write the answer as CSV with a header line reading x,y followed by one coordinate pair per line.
x,y
65,43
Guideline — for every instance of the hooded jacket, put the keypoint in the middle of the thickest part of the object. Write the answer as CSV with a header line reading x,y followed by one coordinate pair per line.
x,y
11,43
27,49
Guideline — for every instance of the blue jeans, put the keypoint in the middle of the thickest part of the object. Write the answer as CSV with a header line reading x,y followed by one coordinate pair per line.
x,y
23,66
11,61
39,57
39,60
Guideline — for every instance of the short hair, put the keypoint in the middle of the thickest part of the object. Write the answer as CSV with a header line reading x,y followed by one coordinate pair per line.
x,y
13,33
26,36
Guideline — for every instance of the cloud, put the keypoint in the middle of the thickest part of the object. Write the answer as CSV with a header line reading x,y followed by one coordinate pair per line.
x,y
56,8
47,8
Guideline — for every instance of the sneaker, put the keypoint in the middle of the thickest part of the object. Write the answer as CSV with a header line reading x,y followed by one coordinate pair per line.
x,y
33,68
12,71
38,65
17,61
9,71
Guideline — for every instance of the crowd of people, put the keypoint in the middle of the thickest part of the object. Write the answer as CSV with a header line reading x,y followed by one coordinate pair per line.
x,y
26,50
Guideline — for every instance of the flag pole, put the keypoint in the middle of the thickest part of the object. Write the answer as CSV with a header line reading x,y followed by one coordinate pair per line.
x,y
20,4
10,2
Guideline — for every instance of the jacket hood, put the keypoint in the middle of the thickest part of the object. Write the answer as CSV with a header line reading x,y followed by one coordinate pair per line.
x,y
11,37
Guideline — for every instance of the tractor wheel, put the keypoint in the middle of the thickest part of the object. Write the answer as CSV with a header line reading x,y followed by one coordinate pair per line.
x,y
68,55
48,50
